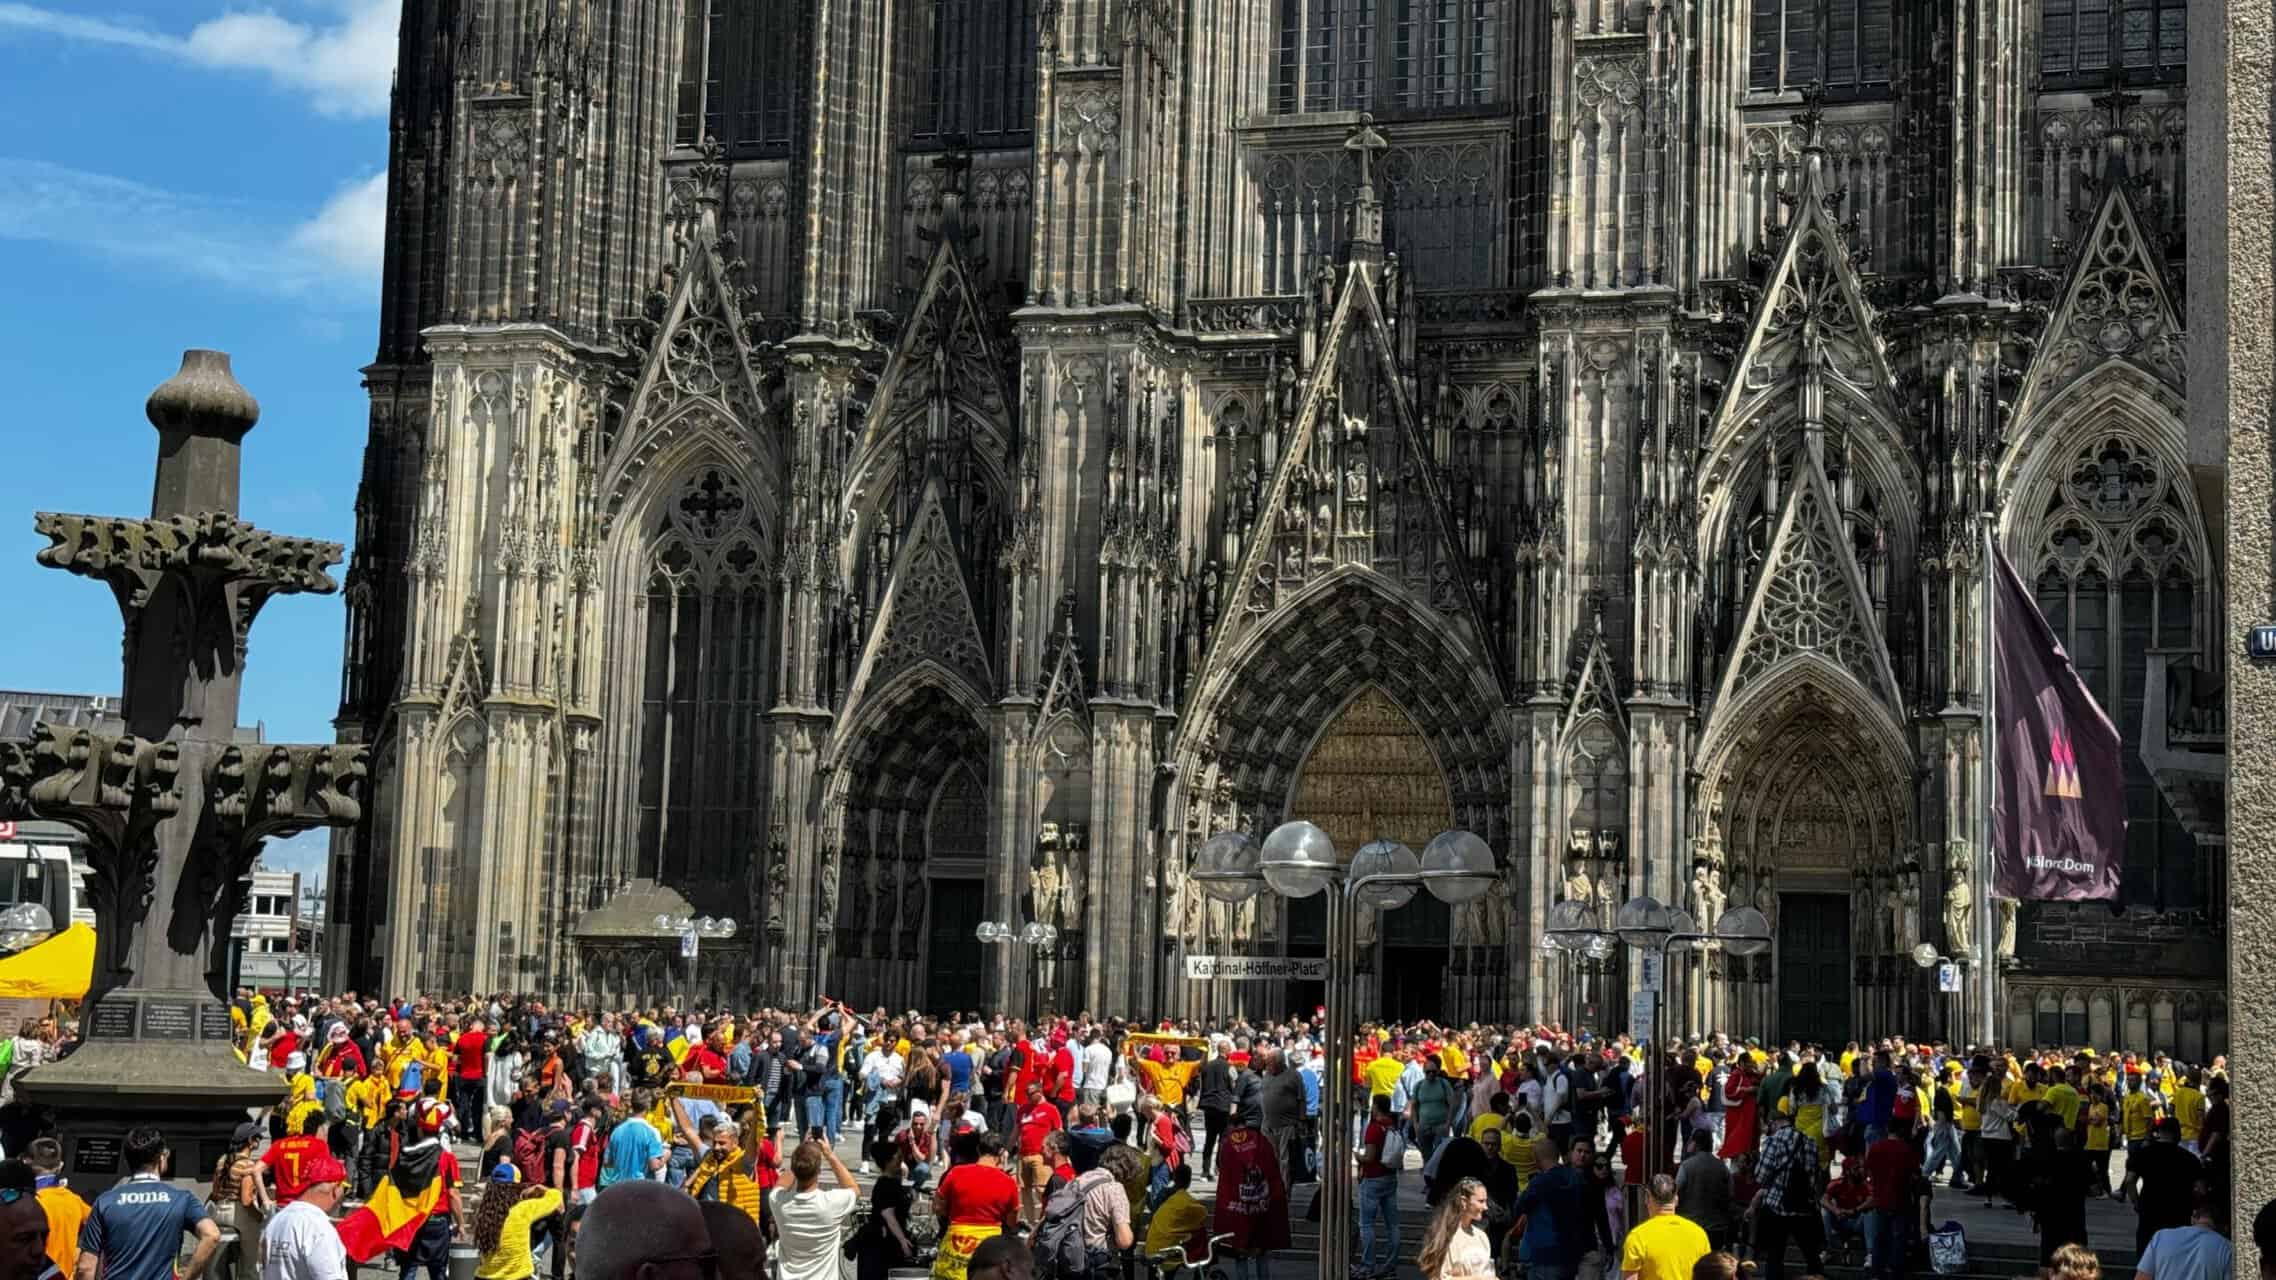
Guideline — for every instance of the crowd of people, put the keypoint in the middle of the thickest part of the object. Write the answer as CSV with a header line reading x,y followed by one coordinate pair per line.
x,y
1090,1146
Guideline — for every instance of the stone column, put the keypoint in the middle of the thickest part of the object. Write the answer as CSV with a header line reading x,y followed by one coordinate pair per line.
x,y
2232,374
175,810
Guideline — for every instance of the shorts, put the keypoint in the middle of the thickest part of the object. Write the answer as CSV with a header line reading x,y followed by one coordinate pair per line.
x,y
1033,1172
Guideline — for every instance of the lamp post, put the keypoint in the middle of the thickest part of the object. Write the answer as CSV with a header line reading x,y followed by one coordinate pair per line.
x,y
691,930
1296,861
1648,926
1928,957
1034,935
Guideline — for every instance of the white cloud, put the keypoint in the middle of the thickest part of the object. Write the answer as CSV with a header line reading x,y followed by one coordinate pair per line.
x,y
343,62
350,231
332,258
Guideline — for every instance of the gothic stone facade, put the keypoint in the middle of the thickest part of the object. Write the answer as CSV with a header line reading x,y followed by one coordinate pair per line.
x,y
863,467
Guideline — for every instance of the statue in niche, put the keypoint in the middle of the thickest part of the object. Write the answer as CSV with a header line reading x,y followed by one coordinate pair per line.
x,y
1044,878
1578,887
2008,909
1706,897
1260,592
1071,879
1766,900
1908,911
1498,905
1292,561
1366,926
1959,896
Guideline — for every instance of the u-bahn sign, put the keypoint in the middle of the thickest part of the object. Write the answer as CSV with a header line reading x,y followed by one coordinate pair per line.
x,y
1256,968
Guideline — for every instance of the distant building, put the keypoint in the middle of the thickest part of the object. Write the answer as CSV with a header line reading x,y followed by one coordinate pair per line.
x,y
277,941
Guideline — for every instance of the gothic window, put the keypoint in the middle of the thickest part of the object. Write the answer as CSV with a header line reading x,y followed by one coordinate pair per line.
x,y
1386,55
2116,579
978,78
1843,46
703,685
2082,42
742,66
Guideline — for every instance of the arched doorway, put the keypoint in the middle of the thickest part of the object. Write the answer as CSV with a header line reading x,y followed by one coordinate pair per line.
x,y
1372,775
1809,820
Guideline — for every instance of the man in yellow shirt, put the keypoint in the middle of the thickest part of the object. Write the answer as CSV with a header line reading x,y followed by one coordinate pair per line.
x,y
1382,1074
2062,1098
2189,1109
1663,1246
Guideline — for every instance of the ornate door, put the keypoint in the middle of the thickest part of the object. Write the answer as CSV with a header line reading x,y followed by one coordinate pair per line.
x,y
1813,967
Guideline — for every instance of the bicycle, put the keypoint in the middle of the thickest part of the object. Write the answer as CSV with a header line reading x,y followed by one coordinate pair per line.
x,y
1174,1264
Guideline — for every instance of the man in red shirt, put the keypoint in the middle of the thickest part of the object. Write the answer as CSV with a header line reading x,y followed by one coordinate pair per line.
x,y
709,1058
1843,1205
288,1160
1063,1075
470,1069
1037,1117
1889,1170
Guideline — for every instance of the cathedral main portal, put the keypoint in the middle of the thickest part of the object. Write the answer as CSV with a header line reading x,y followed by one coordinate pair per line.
x,y
1372,776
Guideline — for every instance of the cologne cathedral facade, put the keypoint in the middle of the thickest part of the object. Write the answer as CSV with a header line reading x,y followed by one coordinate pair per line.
x,y
863,468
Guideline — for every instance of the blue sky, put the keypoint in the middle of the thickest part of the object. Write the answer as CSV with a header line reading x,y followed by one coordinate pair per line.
x,y
188,173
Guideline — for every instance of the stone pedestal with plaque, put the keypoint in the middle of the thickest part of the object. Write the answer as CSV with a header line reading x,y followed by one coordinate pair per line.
x,y
174,809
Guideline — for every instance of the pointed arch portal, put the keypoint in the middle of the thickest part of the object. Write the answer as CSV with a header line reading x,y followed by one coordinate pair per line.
x,y
1372,776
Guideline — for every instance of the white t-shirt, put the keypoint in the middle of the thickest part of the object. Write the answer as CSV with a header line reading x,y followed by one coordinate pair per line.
x,y
810,1227
1098,1064
301,1244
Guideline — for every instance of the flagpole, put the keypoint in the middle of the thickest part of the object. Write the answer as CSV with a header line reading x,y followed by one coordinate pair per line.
x,y
1987,873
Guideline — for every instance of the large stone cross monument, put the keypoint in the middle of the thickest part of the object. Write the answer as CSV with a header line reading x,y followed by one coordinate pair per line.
x,y
174,809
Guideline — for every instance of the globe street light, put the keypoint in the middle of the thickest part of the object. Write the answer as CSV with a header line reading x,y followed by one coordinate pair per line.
x,y
1033,934
1298,860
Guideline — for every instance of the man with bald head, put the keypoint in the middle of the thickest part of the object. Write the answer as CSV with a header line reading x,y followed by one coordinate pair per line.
x,y
644,1231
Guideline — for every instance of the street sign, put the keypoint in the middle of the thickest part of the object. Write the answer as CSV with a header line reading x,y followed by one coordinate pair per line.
x,y
2260,642
1650,963
1641,1008
1948,977
687,944
7,830
1256,968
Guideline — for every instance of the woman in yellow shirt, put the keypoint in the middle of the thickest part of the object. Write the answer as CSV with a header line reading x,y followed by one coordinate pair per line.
x,y
502,1223
2098,1139
1809,1095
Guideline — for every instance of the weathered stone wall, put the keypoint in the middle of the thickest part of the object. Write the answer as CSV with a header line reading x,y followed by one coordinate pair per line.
x,y
2233,289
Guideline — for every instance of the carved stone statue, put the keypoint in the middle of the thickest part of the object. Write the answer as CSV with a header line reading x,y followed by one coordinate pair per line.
x,y
1907,933
2009,908
1766,901
1497,906
1045,880
1366,925
1069,913
1577,885
1706,897
1959,896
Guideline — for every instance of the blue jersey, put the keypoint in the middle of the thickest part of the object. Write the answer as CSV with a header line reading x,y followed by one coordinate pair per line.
x,y
959,1064
136,1227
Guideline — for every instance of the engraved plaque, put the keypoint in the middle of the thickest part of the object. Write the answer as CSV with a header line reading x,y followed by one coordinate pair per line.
x,y
98,1155
113,1019
168,1020
213,1023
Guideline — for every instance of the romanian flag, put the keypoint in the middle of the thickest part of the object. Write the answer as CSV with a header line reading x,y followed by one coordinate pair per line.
x,y
421,1175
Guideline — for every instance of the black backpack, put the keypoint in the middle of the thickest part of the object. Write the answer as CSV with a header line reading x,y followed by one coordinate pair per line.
x,y
1060,1253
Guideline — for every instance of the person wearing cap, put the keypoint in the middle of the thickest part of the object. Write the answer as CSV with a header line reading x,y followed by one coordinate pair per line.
x,y
504,1223
300,1242
238,1192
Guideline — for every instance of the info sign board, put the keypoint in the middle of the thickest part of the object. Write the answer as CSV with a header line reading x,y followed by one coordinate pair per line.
x,y
1256,968
687,944
1641,1008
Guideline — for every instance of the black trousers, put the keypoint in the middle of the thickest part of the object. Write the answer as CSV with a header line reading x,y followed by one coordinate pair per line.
x,y
1773,1230
1213,1120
